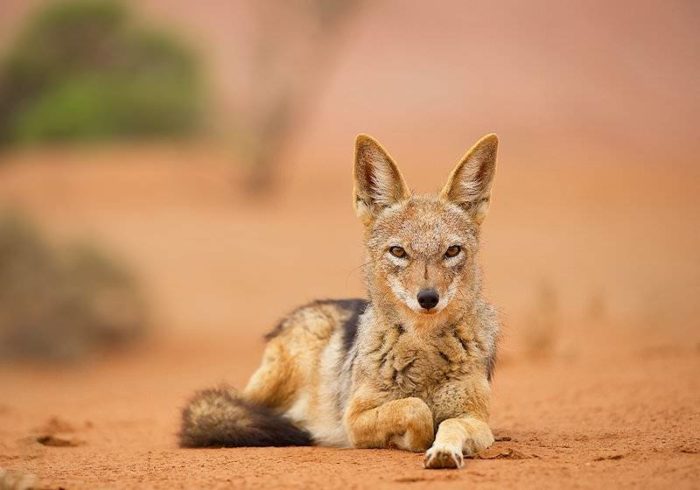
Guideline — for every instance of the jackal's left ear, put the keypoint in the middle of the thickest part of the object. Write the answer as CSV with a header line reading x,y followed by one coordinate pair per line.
x,y
469,184
378,182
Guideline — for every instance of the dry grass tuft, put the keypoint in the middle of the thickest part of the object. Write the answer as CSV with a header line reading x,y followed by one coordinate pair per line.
x,y
542,326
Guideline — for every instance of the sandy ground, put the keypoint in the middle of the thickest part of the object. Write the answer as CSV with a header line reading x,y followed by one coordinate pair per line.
x,y
601,418
597,385
591,248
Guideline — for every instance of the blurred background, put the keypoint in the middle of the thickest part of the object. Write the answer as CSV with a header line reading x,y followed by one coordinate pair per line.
x,y
176,175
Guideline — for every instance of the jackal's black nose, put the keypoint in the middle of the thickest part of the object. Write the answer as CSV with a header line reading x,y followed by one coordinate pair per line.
x,y
428,298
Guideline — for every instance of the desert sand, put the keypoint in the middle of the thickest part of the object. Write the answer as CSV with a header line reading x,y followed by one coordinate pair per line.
x,y
591,249
596,387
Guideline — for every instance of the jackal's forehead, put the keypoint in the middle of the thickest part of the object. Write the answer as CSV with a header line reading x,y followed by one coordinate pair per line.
x,y
426,225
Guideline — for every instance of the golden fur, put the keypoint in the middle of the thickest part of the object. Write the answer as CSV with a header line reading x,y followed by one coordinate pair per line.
x,y
387,372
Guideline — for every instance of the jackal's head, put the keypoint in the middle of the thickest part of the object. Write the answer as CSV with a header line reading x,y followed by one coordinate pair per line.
x,y
423,249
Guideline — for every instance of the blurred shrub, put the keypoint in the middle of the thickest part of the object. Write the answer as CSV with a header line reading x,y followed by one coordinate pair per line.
x,y
82,71
62,303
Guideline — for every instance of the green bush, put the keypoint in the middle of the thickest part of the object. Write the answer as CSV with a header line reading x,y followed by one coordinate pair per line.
x,y
82,70
62,303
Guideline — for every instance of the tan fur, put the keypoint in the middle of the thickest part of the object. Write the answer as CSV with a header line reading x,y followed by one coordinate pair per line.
x,y
396,375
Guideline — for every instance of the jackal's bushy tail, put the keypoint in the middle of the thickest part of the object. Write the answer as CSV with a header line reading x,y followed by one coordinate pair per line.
x,y
219,417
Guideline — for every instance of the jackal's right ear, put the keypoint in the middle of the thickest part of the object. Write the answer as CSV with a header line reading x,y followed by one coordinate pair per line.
x,y
378,182
469,184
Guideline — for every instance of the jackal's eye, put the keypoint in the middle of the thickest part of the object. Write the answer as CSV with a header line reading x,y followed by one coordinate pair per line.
x,y
453,251
398,252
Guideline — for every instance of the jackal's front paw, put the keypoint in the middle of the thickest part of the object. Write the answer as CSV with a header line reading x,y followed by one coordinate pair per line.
x,y
480,440
418,424
414,425
443,456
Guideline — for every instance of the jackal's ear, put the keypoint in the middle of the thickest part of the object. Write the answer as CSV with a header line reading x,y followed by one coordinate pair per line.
x,y
469,184
378,182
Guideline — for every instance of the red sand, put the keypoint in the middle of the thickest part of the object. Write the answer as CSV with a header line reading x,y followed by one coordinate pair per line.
x,y
591,248
595,419
597,386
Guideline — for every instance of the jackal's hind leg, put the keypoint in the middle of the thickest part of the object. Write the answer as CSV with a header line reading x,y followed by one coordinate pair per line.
x,y
275,382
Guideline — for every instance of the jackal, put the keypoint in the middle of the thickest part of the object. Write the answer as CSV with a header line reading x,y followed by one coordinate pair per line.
x,y
410,367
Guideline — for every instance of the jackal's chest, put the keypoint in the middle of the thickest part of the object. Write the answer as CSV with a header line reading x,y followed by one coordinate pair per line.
x,y
418,368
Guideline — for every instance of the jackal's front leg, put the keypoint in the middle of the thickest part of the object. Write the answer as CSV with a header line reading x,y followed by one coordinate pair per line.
x,y
467,433
455,437
406,423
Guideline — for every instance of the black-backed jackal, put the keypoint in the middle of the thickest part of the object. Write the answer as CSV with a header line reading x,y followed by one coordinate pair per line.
x,y
409,368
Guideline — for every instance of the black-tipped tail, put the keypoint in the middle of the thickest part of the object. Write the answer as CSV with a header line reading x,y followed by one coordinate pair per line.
x,y
219,417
